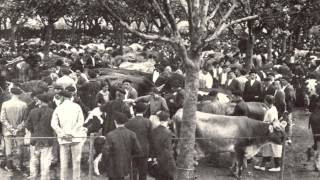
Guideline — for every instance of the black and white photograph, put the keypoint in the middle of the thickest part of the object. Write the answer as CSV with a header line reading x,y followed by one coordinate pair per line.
x,y
159,89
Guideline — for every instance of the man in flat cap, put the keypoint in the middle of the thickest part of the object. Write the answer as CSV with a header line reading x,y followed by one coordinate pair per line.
x,y
67,121
157,103
142,127
117,105
241,108
162,148
12,117
120,146
252,89
66,79
39,125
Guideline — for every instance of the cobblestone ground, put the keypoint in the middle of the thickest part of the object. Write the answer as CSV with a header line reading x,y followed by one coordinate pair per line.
x,y
296,165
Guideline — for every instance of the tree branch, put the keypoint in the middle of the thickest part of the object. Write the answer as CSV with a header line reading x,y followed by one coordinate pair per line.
x,y
170,16
214,12
242,20
134,31
190,18
203,14
195,14
184,4
160,12
222,24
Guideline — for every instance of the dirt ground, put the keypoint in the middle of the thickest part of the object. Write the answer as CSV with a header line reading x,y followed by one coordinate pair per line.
x,y
296,165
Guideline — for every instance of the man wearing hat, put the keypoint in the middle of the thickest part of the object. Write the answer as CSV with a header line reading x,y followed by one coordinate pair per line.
x,y
290,98
162,148
131,92
39,125
157,103
232,83
241,108
90,89
121,145
66,80
117,105
252,89
67,121
142,127
75,98
13,115
213,106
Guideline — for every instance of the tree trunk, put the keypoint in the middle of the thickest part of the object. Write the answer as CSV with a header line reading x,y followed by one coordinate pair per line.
x,y
48,38
73,32
14,28
250,47
269,47
118,33
284,45
185,160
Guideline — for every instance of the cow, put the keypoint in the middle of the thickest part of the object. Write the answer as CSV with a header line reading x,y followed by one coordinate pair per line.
x,y
241,136
140,81
256,109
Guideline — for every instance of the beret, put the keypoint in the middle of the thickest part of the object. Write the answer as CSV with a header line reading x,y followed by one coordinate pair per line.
x,y
70,89
127,80
16,90
44,98
56,86
213,93
65,93
140,107
119,117
121,90
163,116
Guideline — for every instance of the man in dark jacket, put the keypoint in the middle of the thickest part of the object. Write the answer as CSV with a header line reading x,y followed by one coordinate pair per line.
x,y
39,124
290,98
89,90
241,108
142,127
117,105
314,122
120,146
252,89
232,83
162,148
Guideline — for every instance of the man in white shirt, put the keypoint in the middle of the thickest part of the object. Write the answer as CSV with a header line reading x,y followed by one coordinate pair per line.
x,y
67,121
66,80
206,79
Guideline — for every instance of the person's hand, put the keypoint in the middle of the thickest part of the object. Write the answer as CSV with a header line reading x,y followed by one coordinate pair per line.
x,y
14,131
67,137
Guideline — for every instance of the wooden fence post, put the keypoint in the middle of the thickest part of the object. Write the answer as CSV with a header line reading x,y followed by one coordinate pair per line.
x,y
282,159
91,140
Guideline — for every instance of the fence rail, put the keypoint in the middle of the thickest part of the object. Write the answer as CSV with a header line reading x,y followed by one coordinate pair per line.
x,y
93,136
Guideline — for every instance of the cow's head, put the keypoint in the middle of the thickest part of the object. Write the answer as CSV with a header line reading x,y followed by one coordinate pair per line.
x,y
277,132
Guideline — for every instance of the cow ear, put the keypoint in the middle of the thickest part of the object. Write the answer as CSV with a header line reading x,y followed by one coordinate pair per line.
x,y
270,128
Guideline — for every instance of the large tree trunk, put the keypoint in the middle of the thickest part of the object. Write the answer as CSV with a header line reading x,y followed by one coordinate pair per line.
x,y
14,28
48,38
185,160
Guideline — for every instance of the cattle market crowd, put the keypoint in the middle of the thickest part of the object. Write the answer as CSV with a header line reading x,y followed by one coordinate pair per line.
x,y
49,108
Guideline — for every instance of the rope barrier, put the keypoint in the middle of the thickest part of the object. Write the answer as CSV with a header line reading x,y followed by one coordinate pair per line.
x,y
176,138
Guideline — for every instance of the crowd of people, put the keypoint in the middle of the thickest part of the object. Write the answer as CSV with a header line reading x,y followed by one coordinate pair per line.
x,y
134,127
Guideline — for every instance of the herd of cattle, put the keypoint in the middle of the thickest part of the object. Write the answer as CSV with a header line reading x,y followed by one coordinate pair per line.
x,y
238,135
